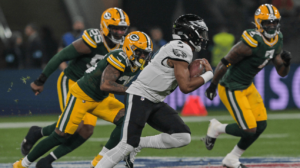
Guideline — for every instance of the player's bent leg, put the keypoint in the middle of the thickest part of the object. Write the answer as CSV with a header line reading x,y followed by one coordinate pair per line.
x,y
111,110
33,135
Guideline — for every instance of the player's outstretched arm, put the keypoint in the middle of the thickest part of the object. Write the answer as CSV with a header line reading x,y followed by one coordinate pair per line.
x,y
108,81
235,55
282,63
76,49
182,75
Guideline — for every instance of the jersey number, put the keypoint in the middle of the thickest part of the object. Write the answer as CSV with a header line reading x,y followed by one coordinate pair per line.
x,y
94,60
126,79
269,55
89,70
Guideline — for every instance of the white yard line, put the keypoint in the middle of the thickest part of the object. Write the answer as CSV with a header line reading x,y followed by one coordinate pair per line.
x,y
282,116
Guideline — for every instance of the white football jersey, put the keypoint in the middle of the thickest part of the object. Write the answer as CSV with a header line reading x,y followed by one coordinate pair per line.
x,y
158,80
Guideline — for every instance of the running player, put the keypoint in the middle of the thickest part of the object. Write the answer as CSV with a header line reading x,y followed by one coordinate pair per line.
x,y
145,96
234,78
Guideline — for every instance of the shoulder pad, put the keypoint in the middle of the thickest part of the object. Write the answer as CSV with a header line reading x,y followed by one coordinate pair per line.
x,y
249,37
118,59
92,37
181,51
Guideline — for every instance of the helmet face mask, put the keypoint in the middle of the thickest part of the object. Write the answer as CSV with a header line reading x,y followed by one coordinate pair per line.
x,y
116,33
191,28
114,24
267,18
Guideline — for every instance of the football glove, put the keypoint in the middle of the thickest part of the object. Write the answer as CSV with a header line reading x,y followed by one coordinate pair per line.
x,y
40,80
211,91
286,56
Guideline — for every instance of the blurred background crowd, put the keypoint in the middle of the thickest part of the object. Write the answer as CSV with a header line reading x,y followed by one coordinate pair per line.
x,y
31,32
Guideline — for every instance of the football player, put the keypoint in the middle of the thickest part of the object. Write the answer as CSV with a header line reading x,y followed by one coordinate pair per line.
x,y
82,54
145,96
90,94
234,79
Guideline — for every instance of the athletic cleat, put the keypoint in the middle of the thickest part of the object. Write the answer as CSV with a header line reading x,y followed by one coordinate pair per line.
x,y
96,160
43,163
31,138
18,164
129,159
231,161
212,134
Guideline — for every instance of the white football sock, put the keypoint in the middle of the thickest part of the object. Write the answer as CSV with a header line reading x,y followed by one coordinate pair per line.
x,y
165,141
236,151
221,128
26,162
115,155
103,151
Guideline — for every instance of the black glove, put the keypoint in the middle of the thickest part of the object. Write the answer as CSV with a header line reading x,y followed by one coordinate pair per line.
x,y
211,91
286,56
40,80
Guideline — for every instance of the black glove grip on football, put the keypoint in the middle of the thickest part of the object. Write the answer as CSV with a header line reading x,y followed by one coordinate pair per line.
x,y
286,56
40,80
211,91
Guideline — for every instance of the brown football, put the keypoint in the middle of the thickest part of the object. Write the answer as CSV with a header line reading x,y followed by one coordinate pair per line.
x,y
196,68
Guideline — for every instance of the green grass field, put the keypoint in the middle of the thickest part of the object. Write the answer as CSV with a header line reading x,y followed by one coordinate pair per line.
x,y
281,138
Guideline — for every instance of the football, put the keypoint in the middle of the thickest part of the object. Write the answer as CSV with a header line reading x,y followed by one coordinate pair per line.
x,y
196,68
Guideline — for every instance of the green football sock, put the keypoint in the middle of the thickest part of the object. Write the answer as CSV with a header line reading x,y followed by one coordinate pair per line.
x,y
72,143
244,143
46,131
235,130
115,136
45,145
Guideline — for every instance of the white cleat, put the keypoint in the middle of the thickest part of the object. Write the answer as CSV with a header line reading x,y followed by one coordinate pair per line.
x,y
231,161
212,134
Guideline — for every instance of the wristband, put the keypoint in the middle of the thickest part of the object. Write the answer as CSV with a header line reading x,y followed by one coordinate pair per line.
x,y
207,76
40,80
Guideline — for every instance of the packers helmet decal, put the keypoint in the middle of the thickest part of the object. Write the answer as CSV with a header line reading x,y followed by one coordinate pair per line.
x,y
135,44
267,13
107,15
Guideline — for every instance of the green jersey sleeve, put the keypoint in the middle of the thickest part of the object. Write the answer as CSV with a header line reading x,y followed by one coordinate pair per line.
x,y
249,37
66,54
92,37
118,59
280,41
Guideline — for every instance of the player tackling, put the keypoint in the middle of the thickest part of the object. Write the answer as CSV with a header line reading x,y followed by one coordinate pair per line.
x,y
234,78
144,98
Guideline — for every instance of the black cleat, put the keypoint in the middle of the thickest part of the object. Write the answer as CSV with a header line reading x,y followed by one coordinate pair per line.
x,y
128,163
209,142
43,163
33,135
240,166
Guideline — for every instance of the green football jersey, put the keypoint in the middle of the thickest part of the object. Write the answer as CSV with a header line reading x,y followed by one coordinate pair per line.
x,y
90,82
99,48
241,75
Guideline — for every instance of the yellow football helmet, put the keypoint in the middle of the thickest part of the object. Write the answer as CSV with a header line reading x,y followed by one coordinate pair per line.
x,y
266,14
114,18
137,44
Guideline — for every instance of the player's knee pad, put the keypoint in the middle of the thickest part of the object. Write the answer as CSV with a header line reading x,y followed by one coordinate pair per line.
x,y
176,140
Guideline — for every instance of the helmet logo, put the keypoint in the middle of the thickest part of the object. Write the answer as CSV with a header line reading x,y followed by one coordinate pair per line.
x,y
134,37
257,12
199,23
107,15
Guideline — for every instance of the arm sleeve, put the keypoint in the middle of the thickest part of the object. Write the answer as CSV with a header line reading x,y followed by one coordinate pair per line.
x,y
66,54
